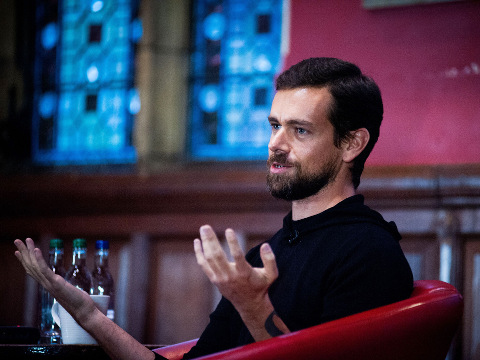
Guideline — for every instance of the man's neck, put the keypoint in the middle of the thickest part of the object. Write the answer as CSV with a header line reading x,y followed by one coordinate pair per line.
x,y
326,198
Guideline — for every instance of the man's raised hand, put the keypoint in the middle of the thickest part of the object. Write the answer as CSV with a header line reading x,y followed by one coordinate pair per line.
x,y
245,286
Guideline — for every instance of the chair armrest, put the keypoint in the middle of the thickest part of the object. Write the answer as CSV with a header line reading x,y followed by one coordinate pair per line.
x,y
176,351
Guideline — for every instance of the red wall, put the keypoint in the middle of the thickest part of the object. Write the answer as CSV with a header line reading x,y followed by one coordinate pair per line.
x,y
426,60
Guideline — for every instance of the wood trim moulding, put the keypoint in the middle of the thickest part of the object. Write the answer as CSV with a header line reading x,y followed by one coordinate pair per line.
x,y
189,191
219,189
452,186
156,225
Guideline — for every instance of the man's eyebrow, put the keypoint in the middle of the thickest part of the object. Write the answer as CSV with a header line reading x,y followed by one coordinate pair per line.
x,y
297,122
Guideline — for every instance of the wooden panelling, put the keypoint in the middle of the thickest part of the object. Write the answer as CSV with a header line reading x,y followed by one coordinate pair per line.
x,y
471,323
181,295
12,287
422,254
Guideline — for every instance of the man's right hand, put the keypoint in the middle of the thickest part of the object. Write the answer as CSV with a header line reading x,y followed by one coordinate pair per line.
x,y
117,343
76,301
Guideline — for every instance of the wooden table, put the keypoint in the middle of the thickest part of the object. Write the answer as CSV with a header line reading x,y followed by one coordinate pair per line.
x,y
57,352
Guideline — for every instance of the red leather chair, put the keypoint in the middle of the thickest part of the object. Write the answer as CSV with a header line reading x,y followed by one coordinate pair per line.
x,y
421,327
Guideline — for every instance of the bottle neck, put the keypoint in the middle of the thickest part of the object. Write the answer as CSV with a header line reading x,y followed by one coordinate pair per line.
x,y
55,257
79,256
101,258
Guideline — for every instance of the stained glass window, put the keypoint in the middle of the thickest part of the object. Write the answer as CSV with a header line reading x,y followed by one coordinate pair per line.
x,y
84,100
236,54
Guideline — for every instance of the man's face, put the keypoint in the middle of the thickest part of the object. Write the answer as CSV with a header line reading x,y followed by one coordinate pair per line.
x,y
302,156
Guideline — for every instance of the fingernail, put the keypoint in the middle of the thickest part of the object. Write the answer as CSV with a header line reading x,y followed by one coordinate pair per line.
x,y
204,230
267,248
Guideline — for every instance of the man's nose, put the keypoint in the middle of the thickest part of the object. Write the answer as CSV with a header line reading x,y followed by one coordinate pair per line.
x,y
278,141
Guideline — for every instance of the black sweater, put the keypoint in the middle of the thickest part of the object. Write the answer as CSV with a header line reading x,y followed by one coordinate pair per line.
x,y
342,261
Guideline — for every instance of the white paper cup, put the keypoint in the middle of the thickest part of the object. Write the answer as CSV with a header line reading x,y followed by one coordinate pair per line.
x,y
72,333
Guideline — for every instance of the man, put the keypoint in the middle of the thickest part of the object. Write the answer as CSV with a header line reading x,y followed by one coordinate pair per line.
x,y
333,257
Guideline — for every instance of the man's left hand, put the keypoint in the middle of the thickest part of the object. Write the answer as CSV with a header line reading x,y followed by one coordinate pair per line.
x,y
245,286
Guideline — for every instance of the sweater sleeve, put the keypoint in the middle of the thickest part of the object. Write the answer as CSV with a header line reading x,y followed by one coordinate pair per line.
x,y
226,329
221,332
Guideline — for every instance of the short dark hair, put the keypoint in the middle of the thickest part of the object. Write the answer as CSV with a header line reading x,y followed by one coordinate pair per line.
x,y
357,102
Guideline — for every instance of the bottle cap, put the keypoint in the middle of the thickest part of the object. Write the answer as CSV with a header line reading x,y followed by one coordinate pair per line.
x,y
56,244
79,243
102,244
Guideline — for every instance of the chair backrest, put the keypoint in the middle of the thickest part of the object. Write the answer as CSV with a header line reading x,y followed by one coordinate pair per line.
x,y
421,327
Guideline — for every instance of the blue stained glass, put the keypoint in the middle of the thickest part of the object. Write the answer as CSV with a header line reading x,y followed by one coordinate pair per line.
x,y
92,73
137,30
235,58
214,26
262,63
209,98
135,105
92,120
97,5
47,104
49,36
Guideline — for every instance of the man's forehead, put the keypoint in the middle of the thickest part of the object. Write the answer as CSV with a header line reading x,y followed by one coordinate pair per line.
x,y
303,104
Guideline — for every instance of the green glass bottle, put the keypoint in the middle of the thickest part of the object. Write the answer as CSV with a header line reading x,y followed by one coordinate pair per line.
x,y
49,330
78,274
101,276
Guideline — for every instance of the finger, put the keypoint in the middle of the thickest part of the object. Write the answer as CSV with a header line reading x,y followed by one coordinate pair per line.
x,y
236,251
42,264
44,273
18,255
269,263
37,265
29,253
30,244
20,245
21,248
32,250
32,258
197,246
212,250
22,254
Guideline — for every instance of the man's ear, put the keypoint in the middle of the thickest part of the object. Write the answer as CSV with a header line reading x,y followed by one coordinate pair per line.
x,y
355,144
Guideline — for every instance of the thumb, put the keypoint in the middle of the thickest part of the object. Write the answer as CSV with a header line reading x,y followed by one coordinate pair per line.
x,y
269,263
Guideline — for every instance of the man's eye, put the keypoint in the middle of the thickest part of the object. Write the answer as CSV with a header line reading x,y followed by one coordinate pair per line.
x,y
275,126
301,131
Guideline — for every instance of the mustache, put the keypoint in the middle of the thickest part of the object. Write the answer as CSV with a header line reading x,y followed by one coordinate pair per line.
x,y
280,158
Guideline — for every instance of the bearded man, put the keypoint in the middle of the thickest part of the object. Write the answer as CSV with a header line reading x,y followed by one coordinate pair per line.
x,y
333,257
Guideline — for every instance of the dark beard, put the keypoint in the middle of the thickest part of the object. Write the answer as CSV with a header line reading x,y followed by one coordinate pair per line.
x,y
300,185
